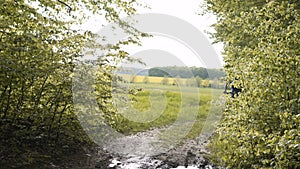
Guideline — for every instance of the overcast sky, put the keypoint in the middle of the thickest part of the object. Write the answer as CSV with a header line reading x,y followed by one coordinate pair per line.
x,y
167,51
186,10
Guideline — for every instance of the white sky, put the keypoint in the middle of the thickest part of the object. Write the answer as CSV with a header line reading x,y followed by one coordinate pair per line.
x,y
183,9
186,10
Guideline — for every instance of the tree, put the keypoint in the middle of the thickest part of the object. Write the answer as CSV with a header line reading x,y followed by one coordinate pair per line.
x,y
186,72
198,81
38,52
260,127
205,83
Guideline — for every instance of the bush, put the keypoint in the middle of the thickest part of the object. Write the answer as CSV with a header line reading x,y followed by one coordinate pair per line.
x,y
260,128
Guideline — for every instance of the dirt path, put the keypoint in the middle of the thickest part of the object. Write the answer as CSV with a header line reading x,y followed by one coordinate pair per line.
x,y
145,150
156,149
152,150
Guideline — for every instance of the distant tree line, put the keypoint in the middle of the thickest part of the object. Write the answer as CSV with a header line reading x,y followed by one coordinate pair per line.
x,y
186,72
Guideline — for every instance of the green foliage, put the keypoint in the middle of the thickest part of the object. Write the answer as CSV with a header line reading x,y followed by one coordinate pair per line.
x,y
186,72
159,72
260,128
198,81
38,52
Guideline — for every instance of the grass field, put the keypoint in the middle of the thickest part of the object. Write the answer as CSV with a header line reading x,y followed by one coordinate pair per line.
x,y
157,106
172,81
151,79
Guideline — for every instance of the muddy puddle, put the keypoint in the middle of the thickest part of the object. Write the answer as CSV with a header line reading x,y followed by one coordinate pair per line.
x,y
146,150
